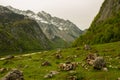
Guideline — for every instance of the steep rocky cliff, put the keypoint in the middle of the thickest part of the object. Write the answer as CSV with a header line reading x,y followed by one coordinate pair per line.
x,y
106,25
18,33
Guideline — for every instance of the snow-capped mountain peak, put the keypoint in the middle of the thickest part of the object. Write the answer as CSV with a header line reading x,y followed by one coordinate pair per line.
x,y
52,26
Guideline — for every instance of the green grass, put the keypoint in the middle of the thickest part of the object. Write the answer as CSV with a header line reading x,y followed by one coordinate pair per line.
x,y
34,70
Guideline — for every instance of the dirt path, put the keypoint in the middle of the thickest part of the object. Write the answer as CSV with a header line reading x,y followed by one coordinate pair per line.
x,y
3,58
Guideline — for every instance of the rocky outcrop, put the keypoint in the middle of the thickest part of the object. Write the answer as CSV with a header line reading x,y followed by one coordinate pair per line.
x,y
14,75
99,63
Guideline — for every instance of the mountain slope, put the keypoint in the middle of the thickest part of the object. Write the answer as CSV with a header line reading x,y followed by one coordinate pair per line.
x,y
52,27
18,33
106,25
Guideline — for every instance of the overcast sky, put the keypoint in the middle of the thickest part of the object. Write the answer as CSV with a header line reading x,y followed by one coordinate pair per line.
x,y
80,12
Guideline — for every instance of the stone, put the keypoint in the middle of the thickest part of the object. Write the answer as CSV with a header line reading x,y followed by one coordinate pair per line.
x,y
54,72
75,56
87,47
90,59
110,66
51,74
105,69
72,78
91,62
48,76
46,63
2,70
68,66
91,56
58,56
99,63
14,75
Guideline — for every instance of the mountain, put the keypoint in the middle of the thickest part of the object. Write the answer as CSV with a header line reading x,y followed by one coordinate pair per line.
x,y
54,28
19,33
106,26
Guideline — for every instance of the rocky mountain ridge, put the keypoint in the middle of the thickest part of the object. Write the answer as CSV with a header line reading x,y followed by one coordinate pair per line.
x,y
52,27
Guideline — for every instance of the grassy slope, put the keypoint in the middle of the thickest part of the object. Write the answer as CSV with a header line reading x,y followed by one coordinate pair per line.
x,y
105,27
35,71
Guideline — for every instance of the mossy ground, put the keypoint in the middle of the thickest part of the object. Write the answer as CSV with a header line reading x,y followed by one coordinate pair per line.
x,y
32,69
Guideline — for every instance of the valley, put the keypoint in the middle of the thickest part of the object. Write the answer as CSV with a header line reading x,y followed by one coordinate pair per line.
x,y
32,68
40,46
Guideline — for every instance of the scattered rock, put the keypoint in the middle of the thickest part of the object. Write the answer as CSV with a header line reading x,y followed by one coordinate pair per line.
x,y
105,69
2,70
46,63
58,55
99,63
72,78
54,72
51,74
110,66
14,75
48,76
68,66
75,56
90,62
91,58
87,47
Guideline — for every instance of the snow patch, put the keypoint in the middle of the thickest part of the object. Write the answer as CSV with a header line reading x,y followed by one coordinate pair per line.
x,y
60,28
44,22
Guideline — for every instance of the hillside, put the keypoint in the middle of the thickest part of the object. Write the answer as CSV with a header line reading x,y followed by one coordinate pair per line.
x,y
105,27
33,69
18,33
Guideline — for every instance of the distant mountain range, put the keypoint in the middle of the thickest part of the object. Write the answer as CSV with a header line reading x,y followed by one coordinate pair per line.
x,y
26,30
106,26
52,27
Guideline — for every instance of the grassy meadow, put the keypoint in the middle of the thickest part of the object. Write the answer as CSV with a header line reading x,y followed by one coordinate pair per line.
x,y
32,69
